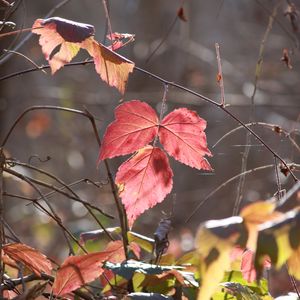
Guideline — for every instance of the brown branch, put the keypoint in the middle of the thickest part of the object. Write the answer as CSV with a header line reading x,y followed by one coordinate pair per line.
x,y
26,38
32,182
258,69
10,284
75,196
276,128
2,235
180,87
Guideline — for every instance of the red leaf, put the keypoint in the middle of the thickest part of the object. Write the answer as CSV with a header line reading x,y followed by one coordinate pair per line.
x,y
81,269
182,135
31,258
181,15
247,265
135,126
144,180
113,68
120,39
119,255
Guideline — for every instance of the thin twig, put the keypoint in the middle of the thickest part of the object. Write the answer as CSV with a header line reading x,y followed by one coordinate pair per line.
x,y
26,57
162,109
75,196
109,27
11,283
27,37
16,32
220,186
120,207
180,87
2,234
93,123
241,184
87,205
16,238
32,182
163,39
295,188
274,127
292,36
220,74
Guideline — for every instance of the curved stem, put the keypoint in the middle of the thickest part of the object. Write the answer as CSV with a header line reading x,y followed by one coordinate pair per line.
x,y
220,186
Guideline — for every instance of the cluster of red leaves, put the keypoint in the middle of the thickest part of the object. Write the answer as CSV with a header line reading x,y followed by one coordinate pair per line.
x,y
75,271
146,178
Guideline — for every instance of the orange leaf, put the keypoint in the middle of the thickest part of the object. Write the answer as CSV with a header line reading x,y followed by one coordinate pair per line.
x,y
182,135
113,68
32,258
144,180
67,37
79,270
55,32
255,214
9,262
154,280
119,255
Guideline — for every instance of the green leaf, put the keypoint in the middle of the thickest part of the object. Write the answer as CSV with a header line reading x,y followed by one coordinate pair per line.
x,y
143,241
280,240
188,259
237,288
147,296
127,269
95,235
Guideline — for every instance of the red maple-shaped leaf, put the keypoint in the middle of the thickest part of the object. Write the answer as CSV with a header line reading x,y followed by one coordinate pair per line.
x,y
144,180
183,137
79,270
67,37
31,258
135,126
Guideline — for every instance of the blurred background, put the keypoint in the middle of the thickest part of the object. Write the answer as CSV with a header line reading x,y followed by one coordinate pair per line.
x,y
64,144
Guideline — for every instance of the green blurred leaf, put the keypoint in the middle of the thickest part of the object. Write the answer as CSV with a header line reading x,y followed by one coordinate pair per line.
x,y
147,296
137,280
143,241
189,258
127,269
241,292
95,235
280,240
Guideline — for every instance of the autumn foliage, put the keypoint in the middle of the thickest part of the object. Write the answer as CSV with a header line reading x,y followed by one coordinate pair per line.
x,y
230,255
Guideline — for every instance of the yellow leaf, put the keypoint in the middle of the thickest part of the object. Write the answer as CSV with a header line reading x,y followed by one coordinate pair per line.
x,y
112,67
214,243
